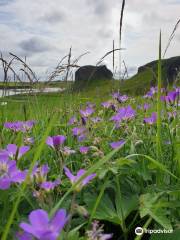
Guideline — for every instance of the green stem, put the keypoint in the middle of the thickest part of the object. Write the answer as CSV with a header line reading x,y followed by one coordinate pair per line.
x,y
121,214
158,137
71,213
144,227
97,202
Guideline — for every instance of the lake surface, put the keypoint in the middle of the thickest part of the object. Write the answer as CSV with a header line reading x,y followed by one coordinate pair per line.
x,y
10,92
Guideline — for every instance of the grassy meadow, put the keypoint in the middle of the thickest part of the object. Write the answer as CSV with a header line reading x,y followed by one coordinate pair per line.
x,y
129,161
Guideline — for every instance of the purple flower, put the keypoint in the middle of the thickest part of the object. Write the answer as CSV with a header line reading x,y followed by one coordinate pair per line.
x,y
116,95
107,104
97,232
28,125
146,106
9,173
177,89
91,105
84,120
125,113
72,120
151,93
87,112
42,227
81,137
48,185
122,99
40,173
20,126
29,140
151,120
118,144
68,151
171,97
80,173
78,131
15,152
24,236
96,119
14,126
84,150
55,141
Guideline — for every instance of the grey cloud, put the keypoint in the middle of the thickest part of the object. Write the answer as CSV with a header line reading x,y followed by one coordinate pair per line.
x,y
100,7
35,45
155,18
5,2
54,17
42,30
170,1
104,33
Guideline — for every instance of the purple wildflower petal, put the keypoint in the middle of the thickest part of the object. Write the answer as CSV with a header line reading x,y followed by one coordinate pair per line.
x,y
96,119
39,218
87,112
68,151
5,183
151,120
122,99
55,141
48,185
29,229
88,179
84,150
24,236
107,104
69,174
22,151
18,176
12,149
106,236
80,173
118,144
78,131
41,227
72,120
59,220
9,173
44,169
116,95
49,141
58,140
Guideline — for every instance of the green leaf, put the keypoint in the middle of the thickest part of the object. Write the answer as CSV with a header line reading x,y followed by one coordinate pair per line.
x,y
105,210
168,236
128,204
150,205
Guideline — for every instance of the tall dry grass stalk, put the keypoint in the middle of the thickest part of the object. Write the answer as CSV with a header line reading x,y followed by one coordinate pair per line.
x,y
171,37
120,34
159,110
113,57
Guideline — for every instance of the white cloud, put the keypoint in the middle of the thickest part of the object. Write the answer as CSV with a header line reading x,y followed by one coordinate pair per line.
x,y
44,30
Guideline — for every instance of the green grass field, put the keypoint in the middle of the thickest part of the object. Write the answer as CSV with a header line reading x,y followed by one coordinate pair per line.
x,y
133,186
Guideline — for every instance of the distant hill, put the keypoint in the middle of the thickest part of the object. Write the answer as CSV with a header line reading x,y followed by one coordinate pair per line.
x,y
147,76
140,83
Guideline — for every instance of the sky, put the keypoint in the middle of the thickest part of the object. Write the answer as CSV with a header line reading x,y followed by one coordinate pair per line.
x,y
44,30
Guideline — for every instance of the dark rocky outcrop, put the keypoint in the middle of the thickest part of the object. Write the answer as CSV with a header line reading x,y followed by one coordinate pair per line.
x,y
92,73
170,69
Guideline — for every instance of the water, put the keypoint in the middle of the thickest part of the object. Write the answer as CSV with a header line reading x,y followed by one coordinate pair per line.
x,y
10,92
